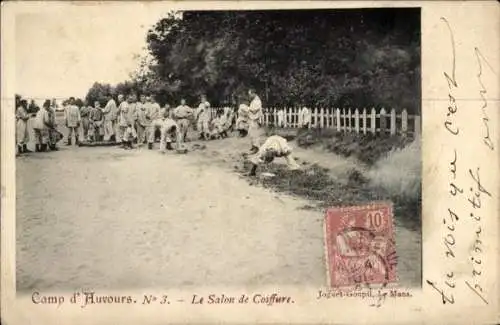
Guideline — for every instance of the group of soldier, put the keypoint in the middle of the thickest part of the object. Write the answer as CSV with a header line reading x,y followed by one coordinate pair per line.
x,y
136,122
44,127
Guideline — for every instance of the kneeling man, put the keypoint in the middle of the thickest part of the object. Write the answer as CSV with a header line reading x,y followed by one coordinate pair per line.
x,y
274,146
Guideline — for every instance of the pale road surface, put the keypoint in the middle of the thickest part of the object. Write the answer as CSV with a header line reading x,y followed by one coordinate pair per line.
x,y
115,219
109,218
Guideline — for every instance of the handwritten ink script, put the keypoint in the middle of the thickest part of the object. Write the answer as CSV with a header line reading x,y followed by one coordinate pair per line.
x,y
85,298
471,194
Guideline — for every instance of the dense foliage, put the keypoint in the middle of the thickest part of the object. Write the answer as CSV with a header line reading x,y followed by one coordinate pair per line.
x,y
339,58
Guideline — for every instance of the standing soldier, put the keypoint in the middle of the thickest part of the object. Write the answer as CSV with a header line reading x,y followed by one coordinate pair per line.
x,y
242,120
281,118
40,127
156,115
123,121
113,116
305,118
255,115
132,114
22,135
203,118
96,120
72,120
84,116
109,113
228,121
153,114
183,114
54,135
119,129
142,121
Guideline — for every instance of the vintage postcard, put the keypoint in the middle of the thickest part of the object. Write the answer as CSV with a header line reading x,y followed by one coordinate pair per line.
x,y
250,162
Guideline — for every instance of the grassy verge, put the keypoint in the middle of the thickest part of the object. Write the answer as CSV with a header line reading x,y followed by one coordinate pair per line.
x,y
394,173
368,148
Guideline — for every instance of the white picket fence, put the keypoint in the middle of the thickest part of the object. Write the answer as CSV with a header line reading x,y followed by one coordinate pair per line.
x,y
350,120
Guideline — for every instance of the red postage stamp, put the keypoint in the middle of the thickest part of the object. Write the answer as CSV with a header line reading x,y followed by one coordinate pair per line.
x,y
360,245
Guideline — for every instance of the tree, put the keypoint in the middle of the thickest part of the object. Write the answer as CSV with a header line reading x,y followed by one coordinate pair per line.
x,y
98,92
368,57
355,57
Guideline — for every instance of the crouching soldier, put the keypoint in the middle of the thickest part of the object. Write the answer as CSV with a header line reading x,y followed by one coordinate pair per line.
x,y
274,146
218,124
129,136
169,130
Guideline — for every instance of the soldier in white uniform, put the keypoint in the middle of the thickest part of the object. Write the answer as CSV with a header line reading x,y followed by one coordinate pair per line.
x,y
142,123
242,120
109,113
132,113
183,114
126,123
274,146
169,129
305,118
281,118
157,115
119,128
255,115
22,135
73,120
41,127
203,118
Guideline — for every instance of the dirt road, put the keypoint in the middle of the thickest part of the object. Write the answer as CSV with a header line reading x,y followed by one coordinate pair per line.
x,y
110,218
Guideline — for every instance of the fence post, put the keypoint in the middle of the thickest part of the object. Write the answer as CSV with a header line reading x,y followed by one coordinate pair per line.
x,y
321,117
393,122
297,112
364,120
337,117
417,125
349,116
404,122
329,117
356,120
383,122
344,121
373,123
289,113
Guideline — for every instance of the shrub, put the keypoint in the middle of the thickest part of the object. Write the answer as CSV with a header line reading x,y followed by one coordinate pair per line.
x,y
399,172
